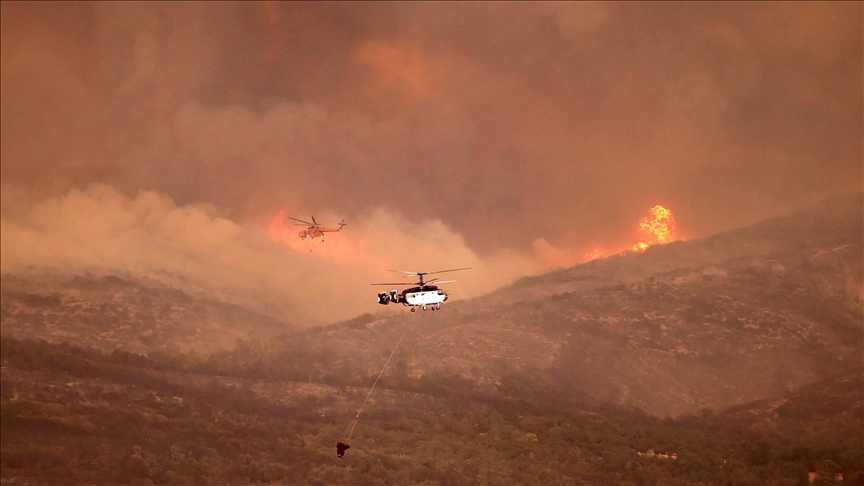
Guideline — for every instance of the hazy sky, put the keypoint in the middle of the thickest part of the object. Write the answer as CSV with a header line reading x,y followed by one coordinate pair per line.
x,y
515,131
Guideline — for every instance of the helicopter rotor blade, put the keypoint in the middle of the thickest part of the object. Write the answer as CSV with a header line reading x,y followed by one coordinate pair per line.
x,y
403,271
451,270
300,220
436,282
392,283
313,220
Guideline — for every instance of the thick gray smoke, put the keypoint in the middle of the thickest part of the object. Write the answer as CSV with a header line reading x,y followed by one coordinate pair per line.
x,y
271,269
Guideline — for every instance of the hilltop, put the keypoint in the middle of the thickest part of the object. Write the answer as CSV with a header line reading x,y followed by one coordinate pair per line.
x,y
111,312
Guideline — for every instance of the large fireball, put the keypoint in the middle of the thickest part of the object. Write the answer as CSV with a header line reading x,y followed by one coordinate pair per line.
x,y
658,228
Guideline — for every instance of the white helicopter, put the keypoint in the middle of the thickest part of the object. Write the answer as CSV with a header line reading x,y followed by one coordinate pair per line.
x,y
425,293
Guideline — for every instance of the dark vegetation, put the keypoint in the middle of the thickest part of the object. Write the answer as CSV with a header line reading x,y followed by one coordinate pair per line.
x,y
73,415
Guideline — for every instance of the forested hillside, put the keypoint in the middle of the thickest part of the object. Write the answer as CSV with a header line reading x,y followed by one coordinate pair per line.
x,y
72,415
123,312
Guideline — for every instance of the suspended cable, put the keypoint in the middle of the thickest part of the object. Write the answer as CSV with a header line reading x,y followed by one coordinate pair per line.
x,y
346,436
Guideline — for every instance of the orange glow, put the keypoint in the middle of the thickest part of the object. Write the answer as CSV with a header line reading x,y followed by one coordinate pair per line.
x,y
281,232
594,254
659,228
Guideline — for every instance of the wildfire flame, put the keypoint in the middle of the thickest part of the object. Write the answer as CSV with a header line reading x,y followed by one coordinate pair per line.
x,y
659,228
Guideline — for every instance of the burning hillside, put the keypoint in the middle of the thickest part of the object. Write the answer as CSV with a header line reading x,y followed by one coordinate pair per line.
x,y
658,228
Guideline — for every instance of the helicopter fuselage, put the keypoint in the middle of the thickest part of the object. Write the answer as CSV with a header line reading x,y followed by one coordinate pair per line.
x,y
429,295
315,232
311,233
423,294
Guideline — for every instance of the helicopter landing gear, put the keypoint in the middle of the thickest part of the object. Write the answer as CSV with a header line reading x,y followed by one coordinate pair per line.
x,y
437,306
413,309
424,307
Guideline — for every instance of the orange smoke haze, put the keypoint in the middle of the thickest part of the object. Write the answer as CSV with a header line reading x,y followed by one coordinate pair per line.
x,y
397,66
511,137
483,115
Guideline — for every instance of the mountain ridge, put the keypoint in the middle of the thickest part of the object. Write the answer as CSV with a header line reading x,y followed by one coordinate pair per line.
x,y
671,330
